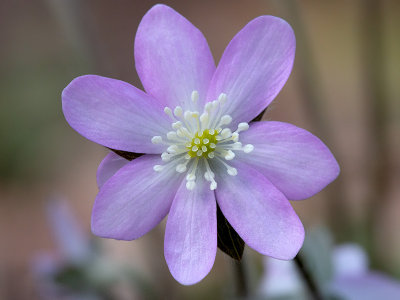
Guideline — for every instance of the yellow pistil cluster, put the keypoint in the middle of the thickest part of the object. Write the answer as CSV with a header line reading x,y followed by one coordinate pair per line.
x,y
203,144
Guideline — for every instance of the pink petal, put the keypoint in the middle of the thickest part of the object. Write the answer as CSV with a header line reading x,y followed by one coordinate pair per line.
x,y
191,233
114,114
108,167
254,67
293,159
134,200
259,213
172,57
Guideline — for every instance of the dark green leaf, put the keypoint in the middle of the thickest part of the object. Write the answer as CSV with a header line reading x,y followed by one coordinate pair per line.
x,y
228,239
127,155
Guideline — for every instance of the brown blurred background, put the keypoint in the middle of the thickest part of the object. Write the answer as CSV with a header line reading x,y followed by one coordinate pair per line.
x,y
344,88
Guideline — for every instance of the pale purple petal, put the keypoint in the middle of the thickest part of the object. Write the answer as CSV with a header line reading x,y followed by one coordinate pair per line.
x,y
260,213
254,67
134,200
370,286
293,159
70,238
172,57
114,114
108,167
191,233
349,260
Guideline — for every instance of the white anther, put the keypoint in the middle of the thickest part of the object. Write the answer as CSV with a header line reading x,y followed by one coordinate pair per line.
x,y
190,177
177,125
211,131
181,168
212,145
172,135
222,98
180,132
206,141
232,171
197,141
195,96
199,153
158,168
204,119
213,185
209,175
235,136
229,155
211,155
172,149
178,111
187,156
195,148
248,148
190,185
187,115
242,127
156,139
225,120
168,111
226,133
165,156
204,148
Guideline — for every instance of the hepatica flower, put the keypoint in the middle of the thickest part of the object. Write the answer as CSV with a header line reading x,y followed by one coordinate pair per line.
x,y
192,123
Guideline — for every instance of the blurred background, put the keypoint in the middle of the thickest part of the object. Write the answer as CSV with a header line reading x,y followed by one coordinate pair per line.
x,y
344,88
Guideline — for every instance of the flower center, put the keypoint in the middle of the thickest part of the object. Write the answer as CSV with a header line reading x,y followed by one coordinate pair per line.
x,y
202,143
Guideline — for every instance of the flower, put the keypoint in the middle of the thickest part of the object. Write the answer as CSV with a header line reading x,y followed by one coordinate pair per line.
x,y
193,125
350,278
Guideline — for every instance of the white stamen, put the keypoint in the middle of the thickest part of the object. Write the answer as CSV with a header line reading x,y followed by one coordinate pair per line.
x,y
173,149
178,111
191,177
165,156
248,148
222,98
172,135
156,139
181,168
206,141
195,96
190,185
158,168
187,115
232,171
213,185
204,148
230,155
225,120
197,141
211,155
177,125
226,133
195,148
212,146
235,136
242,127
199,153
168,112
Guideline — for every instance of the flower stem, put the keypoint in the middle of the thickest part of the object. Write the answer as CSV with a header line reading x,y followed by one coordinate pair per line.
x,y
241,282
308,279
